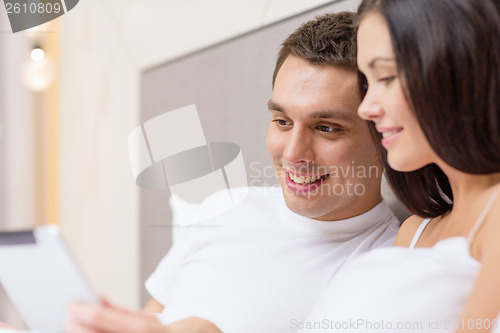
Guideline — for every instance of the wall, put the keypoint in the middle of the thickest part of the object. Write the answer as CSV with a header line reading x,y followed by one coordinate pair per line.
x,y
17,164
98,107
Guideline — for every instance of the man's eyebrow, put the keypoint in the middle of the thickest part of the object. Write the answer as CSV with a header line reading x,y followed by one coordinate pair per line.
x,y
333,114
274,106
378,59
321,114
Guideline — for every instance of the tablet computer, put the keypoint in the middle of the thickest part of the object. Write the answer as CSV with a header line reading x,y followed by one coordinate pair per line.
x,y
41,278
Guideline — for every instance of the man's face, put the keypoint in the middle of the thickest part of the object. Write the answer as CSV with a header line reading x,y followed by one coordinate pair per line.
x,y
323,153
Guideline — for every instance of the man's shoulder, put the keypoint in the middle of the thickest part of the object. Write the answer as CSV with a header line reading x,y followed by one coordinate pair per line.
x,y
385,226
232,206
253,197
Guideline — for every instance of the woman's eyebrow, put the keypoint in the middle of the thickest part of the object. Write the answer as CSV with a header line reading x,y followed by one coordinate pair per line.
x,y
374,61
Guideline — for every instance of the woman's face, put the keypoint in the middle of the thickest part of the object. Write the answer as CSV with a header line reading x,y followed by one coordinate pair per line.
x,y
385,103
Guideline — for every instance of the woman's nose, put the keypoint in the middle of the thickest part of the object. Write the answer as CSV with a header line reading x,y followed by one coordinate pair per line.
x,y
370,108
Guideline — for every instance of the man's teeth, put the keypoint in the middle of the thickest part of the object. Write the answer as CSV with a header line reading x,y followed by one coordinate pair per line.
x,y
304,180
386,134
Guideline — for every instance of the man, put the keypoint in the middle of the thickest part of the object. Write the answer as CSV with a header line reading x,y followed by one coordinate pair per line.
x,y
277,250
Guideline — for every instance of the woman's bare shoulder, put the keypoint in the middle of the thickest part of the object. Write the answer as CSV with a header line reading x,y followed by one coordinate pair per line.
x,y
488,237
408,230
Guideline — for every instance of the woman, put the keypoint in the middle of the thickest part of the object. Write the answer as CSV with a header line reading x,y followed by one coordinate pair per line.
x,y
433,74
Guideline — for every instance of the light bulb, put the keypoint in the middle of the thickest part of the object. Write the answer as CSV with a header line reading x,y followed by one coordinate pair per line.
x,y
38,70
37,54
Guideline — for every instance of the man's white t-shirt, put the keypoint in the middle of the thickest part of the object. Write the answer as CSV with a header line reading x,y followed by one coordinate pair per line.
x,y
260,267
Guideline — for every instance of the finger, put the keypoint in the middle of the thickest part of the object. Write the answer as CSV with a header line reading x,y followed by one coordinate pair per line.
x,y
91,317
105,302
72,327
110,319
2,325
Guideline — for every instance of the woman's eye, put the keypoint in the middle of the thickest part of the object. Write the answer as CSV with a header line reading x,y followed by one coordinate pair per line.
x,y
387,79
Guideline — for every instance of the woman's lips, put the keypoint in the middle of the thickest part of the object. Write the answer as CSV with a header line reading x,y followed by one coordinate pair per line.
x,y
389,135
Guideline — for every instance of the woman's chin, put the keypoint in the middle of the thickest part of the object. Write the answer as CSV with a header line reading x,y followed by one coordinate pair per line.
x,y
404,164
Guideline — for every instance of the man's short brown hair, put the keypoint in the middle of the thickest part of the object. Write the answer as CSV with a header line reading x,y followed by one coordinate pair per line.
x,y
328,39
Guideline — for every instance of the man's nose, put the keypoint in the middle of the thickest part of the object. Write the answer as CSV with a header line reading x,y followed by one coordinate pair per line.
x,y
299,147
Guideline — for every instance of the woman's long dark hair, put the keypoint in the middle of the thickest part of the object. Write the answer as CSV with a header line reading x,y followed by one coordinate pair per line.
x,y
448,57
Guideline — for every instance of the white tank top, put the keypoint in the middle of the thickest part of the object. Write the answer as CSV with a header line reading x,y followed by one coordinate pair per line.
x,y
399,289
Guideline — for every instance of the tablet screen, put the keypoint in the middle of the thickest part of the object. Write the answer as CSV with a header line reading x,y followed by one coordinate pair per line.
x,y
41,277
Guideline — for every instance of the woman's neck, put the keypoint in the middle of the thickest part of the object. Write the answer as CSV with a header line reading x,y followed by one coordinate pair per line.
x,y
466,187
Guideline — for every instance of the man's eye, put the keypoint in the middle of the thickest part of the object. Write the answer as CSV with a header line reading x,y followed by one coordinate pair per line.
x,y
327,129
281,122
